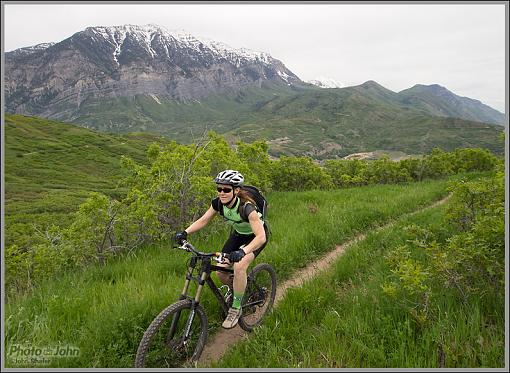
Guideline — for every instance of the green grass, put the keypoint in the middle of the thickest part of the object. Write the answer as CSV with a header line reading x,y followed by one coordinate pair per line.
x,y
342,319
104,311
50,167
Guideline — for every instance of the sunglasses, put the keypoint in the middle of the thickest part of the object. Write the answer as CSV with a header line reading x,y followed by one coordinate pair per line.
x,y
224,190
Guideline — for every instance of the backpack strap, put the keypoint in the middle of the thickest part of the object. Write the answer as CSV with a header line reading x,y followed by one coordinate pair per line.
x,y
246,209
216,204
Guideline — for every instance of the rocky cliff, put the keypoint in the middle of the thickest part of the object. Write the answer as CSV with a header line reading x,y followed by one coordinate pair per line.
x,y
52,80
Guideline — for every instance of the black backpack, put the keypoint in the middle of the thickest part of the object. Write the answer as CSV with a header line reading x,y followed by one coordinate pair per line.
x,y
258,198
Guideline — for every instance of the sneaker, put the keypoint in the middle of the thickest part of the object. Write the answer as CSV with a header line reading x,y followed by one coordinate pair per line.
x,y
232,318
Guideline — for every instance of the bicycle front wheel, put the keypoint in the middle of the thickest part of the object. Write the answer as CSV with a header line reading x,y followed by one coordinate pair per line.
x,y
175,338
259,296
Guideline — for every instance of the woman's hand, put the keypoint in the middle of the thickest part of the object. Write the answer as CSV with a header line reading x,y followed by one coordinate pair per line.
x,y
236,256
181,236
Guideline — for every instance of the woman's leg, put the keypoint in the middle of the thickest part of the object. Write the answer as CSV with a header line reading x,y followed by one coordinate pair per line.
x,y
240,280
240,273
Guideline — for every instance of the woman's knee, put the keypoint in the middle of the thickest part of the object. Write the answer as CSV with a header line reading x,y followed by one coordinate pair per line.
x,y
243,265
239,269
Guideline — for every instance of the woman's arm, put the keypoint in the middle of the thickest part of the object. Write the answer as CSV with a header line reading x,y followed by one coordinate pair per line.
x,y
258,229
202,221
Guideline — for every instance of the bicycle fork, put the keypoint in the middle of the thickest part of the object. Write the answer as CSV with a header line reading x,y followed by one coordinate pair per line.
x,y
194,304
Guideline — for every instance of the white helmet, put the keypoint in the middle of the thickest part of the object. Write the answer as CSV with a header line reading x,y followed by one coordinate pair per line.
x,y
231,177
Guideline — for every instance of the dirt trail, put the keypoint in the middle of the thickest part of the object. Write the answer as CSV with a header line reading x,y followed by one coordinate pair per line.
x,y
219,343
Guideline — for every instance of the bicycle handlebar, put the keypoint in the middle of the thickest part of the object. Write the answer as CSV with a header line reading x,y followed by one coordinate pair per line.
x,y
186,246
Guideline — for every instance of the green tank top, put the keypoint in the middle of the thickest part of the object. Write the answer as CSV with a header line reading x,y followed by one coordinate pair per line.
x,y
233,218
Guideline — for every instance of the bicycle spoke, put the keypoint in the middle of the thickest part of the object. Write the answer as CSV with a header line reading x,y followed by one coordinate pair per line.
x,y
163,349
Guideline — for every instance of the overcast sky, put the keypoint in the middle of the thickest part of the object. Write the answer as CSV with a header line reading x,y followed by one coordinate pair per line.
x,y
458,46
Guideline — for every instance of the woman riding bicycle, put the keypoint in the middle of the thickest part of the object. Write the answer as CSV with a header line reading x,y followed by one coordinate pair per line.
x,y
246,241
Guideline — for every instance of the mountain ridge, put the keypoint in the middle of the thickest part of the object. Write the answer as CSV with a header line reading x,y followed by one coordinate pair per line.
x,y
129,60
450,104
145,78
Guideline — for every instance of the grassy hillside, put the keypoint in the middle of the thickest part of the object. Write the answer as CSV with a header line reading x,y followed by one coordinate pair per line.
x,y
103,311
438,101
50,167
322,123
181,119
359,121
342,318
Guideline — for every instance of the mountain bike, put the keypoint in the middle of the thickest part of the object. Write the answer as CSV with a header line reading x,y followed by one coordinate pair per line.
x,y
177,336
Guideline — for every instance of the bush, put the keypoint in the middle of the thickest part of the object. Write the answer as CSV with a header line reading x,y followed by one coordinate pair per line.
x,y
298,174
471,263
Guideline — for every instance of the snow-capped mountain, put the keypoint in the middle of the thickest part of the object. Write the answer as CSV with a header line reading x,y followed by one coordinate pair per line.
x,y
30,50
324,82
156,40
52,80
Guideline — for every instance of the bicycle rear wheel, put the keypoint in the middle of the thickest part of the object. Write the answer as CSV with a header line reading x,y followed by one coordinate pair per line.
x,y
259,296
163,346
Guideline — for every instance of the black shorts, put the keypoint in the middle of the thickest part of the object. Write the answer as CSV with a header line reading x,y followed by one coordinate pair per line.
x,y
236,240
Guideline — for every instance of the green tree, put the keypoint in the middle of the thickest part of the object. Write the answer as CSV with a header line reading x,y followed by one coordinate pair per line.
x,y
346,173
299,173
385,171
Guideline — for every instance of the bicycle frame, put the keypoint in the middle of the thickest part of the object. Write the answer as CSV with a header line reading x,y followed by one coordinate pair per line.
x,y
203,278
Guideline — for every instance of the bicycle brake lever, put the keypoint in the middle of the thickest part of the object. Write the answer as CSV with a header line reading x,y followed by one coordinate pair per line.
x,y
177,246
221,257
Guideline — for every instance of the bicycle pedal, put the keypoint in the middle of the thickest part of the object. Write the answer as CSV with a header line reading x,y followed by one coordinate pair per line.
x,y
225,290
229,299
